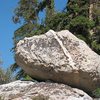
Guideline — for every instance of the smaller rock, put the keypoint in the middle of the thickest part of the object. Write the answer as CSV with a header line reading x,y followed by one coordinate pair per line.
x,y
27,90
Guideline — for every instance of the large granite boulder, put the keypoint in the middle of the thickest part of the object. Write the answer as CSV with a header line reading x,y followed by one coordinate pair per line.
x,y
60,57
27,90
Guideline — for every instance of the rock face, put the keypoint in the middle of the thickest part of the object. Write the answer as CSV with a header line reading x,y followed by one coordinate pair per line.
x,y
27,90
60,57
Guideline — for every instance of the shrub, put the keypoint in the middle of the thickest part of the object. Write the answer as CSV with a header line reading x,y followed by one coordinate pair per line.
x,y
96,93
5,76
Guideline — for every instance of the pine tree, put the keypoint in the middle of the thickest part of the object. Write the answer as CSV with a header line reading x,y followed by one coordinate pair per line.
x,y
27,13
96,29
84,21
49,10
81,17
5,75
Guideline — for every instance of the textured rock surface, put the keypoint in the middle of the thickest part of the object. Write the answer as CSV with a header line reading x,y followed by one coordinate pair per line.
x,y
26,90
60,57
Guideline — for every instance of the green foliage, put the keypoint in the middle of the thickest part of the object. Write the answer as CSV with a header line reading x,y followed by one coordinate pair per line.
x,y
49,11
96,46
27,78
96,35
82,21
23,31
5,76
76,7
80,25
81,37
96,93
58,21
27,10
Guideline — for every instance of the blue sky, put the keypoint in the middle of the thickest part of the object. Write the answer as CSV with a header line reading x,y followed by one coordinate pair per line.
x,y
7,28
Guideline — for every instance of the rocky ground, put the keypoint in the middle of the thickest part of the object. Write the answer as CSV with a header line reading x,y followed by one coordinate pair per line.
x,y
27,90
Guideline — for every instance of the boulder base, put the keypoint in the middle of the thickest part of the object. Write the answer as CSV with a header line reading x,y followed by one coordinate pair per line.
x,y
27,90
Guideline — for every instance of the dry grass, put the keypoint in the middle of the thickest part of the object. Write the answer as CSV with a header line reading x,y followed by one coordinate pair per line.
x,y
40,97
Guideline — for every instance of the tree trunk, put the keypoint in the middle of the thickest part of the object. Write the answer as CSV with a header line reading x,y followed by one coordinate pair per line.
x,y
91,9
91,6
